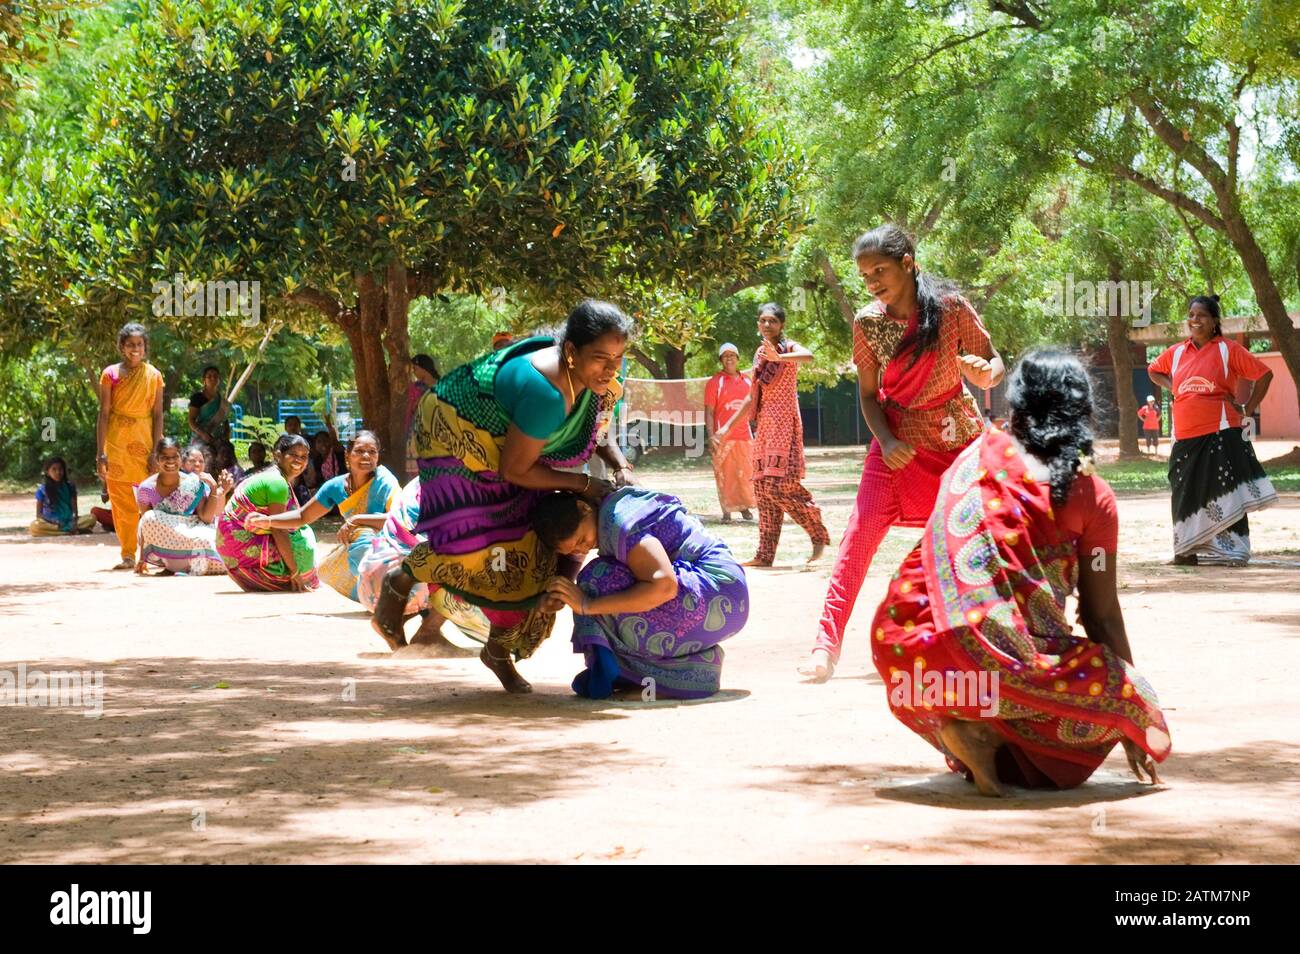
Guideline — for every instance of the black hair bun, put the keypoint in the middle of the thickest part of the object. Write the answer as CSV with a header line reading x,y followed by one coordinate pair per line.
x,y
1216,298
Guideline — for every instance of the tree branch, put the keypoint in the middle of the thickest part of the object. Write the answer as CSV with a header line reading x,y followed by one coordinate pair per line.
x,y
331,307
1018,10
651,365
947,45
1173,197
1182,146
833,283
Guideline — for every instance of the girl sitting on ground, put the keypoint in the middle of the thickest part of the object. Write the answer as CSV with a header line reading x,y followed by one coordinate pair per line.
x,y
56,504
177,510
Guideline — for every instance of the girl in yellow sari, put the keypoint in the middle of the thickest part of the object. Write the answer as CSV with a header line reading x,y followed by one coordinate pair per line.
x,y
130,422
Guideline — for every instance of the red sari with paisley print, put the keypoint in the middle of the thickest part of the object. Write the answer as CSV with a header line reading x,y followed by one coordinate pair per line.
x,y
984,594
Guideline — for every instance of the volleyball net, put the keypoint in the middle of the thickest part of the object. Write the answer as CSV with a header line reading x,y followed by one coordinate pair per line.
x,y
658,412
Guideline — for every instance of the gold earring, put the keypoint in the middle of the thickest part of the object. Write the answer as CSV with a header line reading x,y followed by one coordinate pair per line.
x,y
570,360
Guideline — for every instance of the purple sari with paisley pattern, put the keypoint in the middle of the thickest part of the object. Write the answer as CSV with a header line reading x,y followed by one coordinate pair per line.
x,y
676,643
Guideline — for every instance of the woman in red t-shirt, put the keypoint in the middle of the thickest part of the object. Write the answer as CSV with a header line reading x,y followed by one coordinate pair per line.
x,y
1214,475
973,640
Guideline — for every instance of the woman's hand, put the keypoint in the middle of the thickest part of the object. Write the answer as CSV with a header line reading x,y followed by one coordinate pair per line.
x,y
298,584
623,477
566,591
977,370
597,490
715,441
551,603
142,567
897,454
1139,760
226,483
347,533
258,521
208,481
769,352
101,468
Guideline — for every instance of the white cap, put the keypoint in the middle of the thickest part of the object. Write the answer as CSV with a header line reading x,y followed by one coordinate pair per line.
x,y
728,347
1151,397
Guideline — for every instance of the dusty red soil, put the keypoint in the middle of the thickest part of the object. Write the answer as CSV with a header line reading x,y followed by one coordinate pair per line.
x,y
432,762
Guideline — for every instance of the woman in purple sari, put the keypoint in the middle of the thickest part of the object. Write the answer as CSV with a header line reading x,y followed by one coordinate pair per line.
x,y
652,608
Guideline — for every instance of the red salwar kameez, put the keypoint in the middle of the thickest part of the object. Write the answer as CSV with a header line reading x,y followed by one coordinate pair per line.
x,y
985,592
778,457
927,406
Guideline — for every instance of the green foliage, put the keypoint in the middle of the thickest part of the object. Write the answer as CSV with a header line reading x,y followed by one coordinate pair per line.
x,y
48,408
30,30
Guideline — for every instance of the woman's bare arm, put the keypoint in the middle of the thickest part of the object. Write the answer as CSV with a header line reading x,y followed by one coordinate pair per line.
x,y
1099,609
521,466
656,582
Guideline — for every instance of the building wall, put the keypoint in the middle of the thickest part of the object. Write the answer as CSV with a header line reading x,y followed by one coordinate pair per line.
x,y
1279,415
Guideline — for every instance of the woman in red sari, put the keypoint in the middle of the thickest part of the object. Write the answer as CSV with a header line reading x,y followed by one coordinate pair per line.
x,y
972,638
912,346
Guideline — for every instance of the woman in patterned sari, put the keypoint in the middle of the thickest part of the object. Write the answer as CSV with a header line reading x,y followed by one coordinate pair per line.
x,y
972,638
778,439
130,422
650,611
491,439
388,550
269,560
912,346
177,511
363,494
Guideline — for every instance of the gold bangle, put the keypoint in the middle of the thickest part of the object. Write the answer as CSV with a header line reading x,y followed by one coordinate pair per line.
x,y
586,487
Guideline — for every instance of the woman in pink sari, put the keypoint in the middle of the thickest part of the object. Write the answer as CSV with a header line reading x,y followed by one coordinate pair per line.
x,y
912,346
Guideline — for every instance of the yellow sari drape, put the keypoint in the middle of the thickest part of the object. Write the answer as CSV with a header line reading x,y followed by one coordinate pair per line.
x,y
130,421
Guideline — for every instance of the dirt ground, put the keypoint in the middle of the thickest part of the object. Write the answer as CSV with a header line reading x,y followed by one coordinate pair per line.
x,y
229,733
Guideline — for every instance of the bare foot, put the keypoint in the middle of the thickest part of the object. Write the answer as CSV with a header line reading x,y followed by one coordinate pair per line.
x,y
389,615
818,550
819,668
504,669
975,745
395,640
429,643
755,562
126,564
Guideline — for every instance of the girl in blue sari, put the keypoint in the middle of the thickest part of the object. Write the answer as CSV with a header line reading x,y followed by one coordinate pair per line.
x,y
363,494
652,608
56,504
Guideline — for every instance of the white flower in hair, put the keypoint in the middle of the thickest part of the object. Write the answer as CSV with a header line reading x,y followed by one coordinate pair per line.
x,y
1087,466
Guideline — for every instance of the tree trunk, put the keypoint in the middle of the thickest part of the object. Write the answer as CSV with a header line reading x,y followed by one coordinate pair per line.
x,y
1285,336
674,363
397,302
833,283
1121,360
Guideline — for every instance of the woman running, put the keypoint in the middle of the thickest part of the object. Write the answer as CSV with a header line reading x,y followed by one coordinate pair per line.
x,y
778,440
912,347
